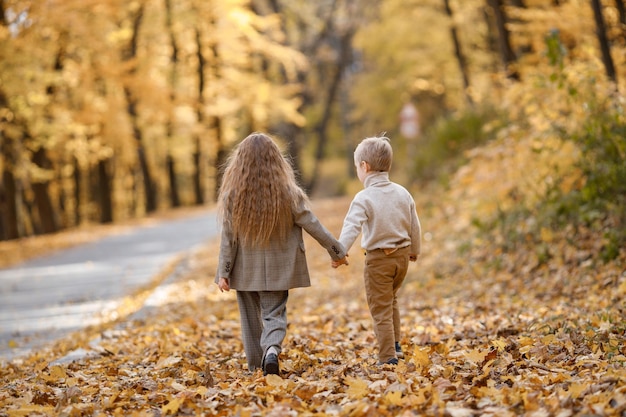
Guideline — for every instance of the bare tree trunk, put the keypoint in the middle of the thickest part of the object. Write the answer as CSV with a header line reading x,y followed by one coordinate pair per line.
x,y
42,196
105,192
504,41
605,48
458,52
170,162
77,177
8,196
220,156
216,127
8,189
197,154
131,107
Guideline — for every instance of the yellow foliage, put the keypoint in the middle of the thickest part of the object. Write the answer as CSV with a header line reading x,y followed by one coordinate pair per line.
x,y
357,388
477,340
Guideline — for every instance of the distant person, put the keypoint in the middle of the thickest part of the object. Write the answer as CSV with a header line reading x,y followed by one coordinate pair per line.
x,y
385,212
262,250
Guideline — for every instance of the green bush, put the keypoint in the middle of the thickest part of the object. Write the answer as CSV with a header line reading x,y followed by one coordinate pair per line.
x,y
443,145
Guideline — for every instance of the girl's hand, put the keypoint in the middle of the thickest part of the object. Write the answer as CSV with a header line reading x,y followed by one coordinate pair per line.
x,y
342,261
223,284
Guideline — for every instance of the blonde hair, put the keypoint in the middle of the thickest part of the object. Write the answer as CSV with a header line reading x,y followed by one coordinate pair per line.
x,y
258,192
376,151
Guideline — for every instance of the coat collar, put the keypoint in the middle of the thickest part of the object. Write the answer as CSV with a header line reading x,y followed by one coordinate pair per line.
x,y
376,178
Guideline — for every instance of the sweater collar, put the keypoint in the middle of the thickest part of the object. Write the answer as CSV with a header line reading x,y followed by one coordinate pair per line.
x,y
376,178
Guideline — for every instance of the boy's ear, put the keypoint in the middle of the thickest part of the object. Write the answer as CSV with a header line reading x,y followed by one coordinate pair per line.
x,y
366,167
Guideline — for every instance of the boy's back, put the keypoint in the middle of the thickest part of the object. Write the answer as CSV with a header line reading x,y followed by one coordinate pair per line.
x,y
385,210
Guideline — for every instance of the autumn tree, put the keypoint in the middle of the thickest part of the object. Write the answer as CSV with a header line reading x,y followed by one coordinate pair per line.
x,y
115,110
605,47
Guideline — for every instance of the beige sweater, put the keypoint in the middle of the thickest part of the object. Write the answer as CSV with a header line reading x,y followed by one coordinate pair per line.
x,y
385,212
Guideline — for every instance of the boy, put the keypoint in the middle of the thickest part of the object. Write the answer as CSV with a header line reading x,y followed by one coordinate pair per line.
x,y
385,212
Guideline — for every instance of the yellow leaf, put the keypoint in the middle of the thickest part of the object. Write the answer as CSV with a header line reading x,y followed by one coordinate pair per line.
x,y
500,344
58,372
275,381
357,388
55,373
576,389
172,406
13,344
526,341
417,399
420,357
41,366
546,235
167,362
394,398
475,356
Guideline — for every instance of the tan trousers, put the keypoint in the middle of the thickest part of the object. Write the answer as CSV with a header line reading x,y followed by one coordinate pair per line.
x,y
383,276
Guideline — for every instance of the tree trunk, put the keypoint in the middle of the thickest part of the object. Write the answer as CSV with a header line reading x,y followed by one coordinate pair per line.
x,y
131,107
603,40
8,204
170,161
458,52
504,42
216,127
8,189
171,175
104,192
198,188
197,155
220,156
42,196
78,179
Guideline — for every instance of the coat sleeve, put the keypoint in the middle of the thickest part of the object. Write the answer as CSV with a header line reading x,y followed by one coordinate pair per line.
x,y
305,218
228,253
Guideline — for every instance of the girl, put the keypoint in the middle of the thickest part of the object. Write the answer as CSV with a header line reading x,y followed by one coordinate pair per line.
x,y
262,251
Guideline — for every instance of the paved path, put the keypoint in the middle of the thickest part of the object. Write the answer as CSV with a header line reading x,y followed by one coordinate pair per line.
x,y
46,298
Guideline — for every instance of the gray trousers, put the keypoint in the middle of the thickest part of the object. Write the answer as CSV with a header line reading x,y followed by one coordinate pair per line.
x,y
263,323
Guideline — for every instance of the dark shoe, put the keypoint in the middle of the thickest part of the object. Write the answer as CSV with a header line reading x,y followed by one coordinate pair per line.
x,y
392,361
271,365
399,352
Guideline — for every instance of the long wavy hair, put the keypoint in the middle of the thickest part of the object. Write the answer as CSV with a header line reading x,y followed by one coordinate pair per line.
x,y
258,192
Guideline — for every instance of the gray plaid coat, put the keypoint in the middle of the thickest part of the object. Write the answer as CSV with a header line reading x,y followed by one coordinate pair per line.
x,y
279,266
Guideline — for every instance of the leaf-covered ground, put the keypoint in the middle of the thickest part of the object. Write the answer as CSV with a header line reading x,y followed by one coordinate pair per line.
x,y
484,333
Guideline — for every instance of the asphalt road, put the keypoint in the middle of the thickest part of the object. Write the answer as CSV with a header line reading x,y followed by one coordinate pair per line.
x,y
46,298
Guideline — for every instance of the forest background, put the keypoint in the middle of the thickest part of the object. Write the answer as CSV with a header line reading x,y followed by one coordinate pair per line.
x,y
507,120
111,110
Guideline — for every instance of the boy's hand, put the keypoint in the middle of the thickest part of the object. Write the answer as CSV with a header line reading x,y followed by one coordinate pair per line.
x,y
413,257
223,284
342,261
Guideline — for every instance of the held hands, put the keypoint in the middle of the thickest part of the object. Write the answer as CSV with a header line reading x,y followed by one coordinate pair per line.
x,y
342,261
223,284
